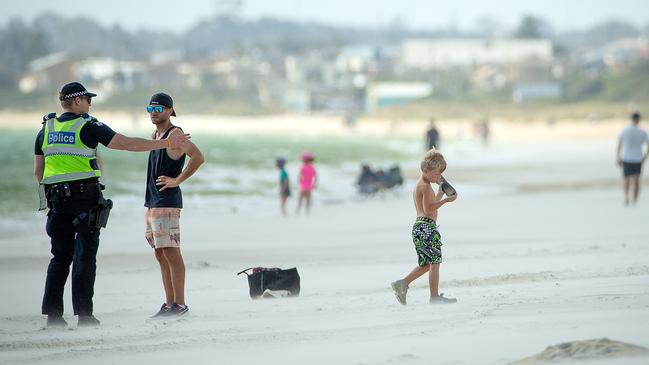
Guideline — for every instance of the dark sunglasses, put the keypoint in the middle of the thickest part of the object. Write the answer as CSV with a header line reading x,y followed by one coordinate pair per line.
x,y
156,108
87,97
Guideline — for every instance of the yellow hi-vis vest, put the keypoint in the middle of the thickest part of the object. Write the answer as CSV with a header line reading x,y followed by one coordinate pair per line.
x,y
66,157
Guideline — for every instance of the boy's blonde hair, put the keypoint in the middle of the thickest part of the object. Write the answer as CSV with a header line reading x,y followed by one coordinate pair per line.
x,y
433,160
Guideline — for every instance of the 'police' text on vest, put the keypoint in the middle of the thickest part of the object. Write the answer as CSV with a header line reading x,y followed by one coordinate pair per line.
x,y
61,137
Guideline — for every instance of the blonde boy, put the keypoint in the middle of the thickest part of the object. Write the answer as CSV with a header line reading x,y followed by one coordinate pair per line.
x,y
425,236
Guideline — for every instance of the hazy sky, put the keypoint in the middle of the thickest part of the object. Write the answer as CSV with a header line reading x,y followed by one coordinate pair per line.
x,y
178,16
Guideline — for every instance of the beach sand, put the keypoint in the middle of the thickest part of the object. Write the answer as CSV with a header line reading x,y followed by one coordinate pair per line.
x,y
538,249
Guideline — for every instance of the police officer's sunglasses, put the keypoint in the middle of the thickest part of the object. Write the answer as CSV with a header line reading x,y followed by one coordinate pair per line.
x,y
87,97
154,108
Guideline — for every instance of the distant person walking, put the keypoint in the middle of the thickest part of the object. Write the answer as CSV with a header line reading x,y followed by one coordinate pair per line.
x,y
308,178
432,136
284,184
164,200
66,165
484,131
631,157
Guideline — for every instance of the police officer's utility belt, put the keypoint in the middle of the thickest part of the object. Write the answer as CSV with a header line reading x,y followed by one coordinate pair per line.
x,y
96,217
67,189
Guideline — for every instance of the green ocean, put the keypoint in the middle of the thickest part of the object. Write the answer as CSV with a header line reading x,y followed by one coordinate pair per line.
x,y
236,166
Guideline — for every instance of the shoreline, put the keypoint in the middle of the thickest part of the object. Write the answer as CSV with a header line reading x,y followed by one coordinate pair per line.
x,y
293,124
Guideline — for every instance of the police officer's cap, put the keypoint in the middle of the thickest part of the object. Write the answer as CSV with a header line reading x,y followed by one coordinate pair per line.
x,y
74,89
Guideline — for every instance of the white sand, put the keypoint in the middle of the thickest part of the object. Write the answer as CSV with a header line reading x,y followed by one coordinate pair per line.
x,y
595,349
539,250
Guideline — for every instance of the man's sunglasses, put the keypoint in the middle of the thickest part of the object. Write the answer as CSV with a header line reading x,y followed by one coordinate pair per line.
x,y
89,99
156,108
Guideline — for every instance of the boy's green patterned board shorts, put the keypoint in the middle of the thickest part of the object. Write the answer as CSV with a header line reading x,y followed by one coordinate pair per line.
x,y
427,240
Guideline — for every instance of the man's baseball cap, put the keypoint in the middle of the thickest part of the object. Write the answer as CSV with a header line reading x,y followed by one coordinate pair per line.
x,y
74,89
164,100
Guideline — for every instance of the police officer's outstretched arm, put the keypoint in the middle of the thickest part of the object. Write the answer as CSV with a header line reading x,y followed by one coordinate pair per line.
x,y
125,143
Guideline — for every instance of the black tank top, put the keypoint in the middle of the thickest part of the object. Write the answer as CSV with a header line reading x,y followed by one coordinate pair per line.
x,y
160,164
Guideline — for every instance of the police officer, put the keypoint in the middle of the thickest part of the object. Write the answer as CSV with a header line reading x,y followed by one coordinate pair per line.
x,y
65,163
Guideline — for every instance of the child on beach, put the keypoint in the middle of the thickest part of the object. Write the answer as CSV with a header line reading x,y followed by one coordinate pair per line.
x,y
307,181
425,236
284,188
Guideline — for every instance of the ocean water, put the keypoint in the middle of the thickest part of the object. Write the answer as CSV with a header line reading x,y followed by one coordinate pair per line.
x,y
239,170
239,175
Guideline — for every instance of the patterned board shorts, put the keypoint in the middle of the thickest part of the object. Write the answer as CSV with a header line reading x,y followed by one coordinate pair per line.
x,y
427,240
162,227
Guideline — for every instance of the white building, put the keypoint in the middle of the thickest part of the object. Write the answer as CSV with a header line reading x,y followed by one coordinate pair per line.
x,y
110,76
536,91
49,73
620,52
441,53
383,94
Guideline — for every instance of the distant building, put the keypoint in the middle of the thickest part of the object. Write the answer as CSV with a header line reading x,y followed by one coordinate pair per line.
x,y
335,100
310,68
297,100
428,54
618,54
536,91
110,76
48,72
104,74
365,58
356,58
489,78
383,94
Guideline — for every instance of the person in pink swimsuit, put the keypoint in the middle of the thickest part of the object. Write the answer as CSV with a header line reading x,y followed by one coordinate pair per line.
x,y
307,183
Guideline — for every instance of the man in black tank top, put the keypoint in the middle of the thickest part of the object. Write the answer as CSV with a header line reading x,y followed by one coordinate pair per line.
x,y
164,201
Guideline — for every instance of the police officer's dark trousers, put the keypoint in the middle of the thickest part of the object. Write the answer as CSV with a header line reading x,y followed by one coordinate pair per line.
x,y
73,242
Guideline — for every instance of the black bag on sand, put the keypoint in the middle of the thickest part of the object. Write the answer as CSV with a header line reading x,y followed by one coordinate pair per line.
x,y
273,279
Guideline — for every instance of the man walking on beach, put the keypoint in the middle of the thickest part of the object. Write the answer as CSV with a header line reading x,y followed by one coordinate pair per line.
x,y
630,156
432,136
164,201
65,164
